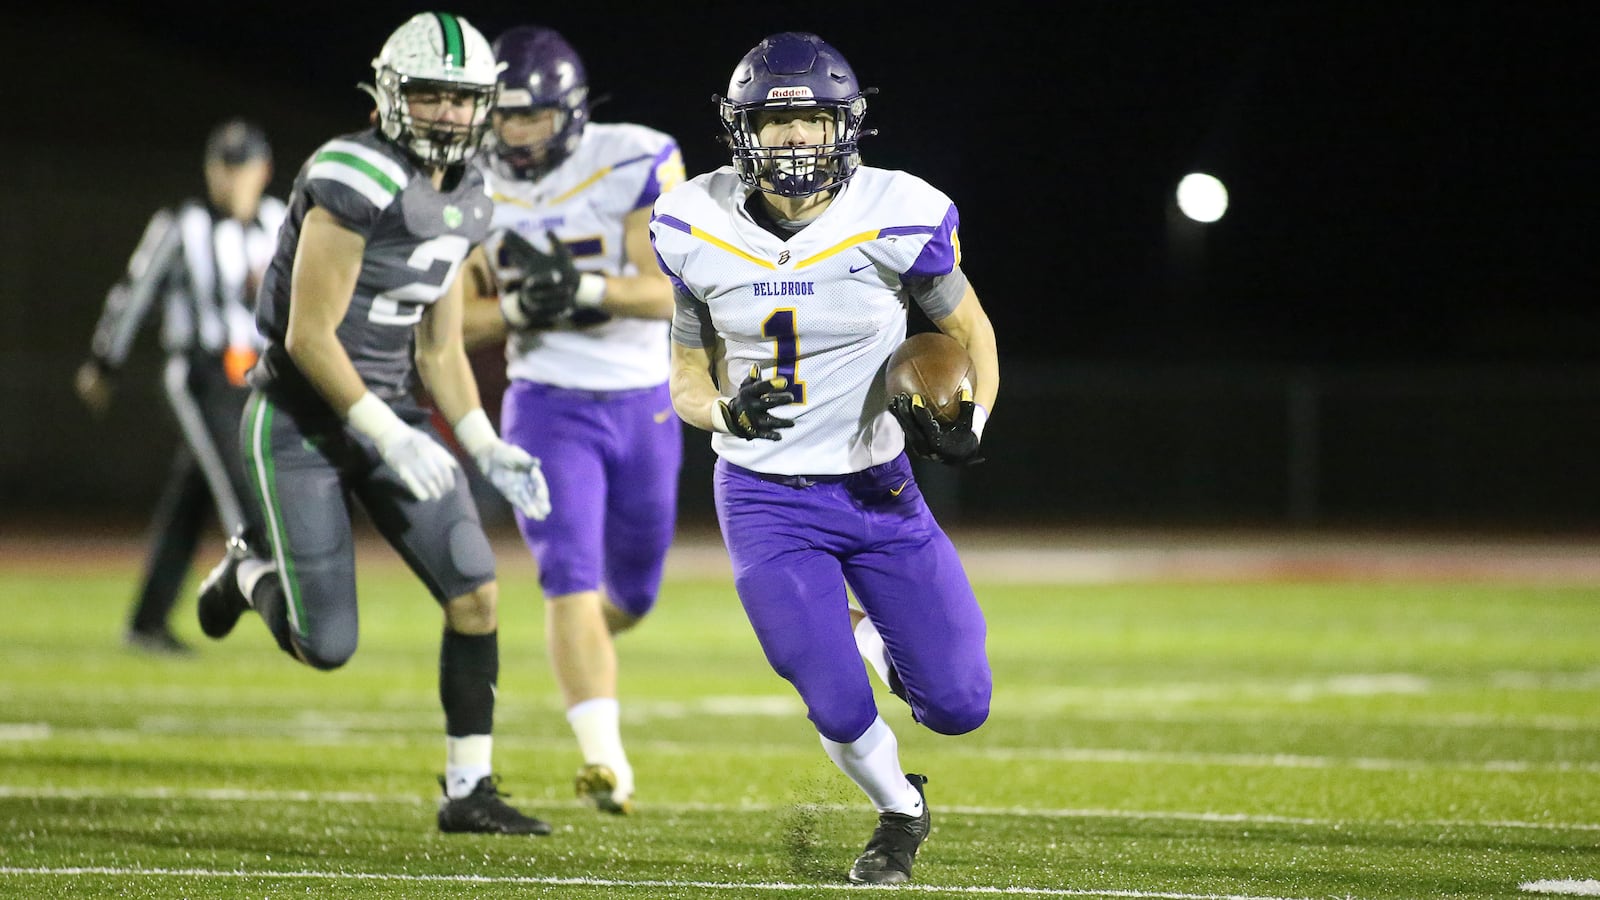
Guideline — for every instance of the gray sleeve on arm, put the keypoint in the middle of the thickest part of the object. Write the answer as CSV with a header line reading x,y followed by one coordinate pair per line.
x,y
938,295
131,298
691,322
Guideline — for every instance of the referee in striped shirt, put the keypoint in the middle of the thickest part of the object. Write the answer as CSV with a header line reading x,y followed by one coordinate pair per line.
x,y
199,263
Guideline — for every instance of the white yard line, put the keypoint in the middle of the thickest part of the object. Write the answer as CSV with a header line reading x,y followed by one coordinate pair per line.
x,y
1587,887
774,886
242,795
329,733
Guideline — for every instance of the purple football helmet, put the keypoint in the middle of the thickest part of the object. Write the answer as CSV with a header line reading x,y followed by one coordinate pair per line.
x,y
541,71
787,71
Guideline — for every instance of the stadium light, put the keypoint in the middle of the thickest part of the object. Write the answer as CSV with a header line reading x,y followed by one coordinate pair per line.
x,y
1202,197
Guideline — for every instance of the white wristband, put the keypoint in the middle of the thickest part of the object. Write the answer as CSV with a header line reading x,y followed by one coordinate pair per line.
x,y
591,289
719,416
980,417
511,310
474,432
373,418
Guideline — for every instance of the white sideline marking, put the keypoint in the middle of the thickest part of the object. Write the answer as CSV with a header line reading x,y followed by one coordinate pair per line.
x,y
614,882
244,795
1585,888
24,731
328,735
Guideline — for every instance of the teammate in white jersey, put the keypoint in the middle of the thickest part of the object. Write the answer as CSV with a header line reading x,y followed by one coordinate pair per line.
x,y
586,312
793,269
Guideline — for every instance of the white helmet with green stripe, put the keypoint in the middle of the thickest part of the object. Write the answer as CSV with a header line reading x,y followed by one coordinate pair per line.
x,y
437,54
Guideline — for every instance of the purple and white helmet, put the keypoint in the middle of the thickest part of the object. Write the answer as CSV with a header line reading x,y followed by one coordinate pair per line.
x,y
540,71
786,71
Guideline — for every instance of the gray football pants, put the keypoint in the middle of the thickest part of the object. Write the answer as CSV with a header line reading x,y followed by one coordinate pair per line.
x,y
306,468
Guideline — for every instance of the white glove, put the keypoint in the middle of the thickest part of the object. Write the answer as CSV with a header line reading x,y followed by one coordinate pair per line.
x,y
428,469
514,473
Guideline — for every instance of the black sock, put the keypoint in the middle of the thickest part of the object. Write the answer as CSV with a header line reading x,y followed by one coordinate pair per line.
x,y
268,600
469,667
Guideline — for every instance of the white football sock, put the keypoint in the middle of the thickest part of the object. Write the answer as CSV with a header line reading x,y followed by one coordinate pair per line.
x,y
873,762
594,723
250,573
870,643
466,763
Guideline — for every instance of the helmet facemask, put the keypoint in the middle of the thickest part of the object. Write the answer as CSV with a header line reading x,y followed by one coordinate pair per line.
x,y
534,160
540,71
794,171
435,142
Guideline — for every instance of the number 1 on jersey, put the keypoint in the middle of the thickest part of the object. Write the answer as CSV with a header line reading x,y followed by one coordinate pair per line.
x,y
779,327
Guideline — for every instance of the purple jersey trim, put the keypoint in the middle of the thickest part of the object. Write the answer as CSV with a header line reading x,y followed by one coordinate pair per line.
x,y
679,224
652,185
677,283
938,256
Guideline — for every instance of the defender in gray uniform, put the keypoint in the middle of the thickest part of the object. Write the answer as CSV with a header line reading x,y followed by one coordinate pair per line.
x,y
361,297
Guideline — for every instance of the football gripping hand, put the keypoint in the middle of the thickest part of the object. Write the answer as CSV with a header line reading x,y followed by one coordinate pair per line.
x,y
747,413
548,291
954,444
517,477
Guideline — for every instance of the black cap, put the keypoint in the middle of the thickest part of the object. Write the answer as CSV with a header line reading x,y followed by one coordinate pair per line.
x,y
237,141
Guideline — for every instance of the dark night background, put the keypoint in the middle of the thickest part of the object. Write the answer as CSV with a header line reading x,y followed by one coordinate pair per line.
x,y
1395,323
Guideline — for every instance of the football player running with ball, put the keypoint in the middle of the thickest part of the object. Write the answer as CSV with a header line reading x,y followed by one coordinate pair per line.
x,y
792,269
362,295
587,311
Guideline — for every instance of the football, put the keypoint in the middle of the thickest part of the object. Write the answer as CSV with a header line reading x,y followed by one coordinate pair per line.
x,y
934,365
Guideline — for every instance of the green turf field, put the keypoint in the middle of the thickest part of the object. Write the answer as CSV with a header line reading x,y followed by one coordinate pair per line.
x,y
1332,740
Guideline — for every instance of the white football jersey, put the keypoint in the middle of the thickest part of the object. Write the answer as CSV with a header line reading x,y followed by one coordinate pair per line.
x,y
617,168
825,308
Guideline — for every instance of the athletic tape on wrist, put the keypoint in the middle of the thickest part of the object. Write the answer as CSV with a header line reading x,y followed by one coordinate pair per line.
x,y
591,289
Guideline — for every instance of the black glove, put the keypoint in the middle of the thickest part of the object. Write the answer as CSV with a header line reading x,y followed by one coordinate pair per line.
x,y
548,291
746,413
952,444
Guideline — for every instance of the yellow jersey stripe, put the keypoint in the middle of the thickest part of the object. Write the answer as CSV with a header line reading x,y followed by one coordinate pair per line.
x,y
838,248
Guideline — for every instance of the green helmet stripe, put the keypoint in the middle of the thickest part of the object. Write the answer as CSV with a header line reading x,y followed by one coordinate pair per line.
x,y
455,54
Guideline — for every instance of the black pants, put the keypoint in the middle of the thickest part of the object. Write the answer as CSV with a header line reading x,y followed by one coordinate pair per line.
x,y
207,479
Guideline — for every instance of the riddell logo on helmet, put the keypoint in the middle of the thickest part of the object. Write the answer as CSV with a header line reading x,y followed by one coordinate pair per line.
x,y
785,93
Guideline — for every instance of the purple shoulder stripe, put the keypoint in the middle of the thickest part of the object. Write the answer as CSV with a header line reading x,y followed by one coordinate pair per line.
x,y
671,222
677,283
652,184
938,256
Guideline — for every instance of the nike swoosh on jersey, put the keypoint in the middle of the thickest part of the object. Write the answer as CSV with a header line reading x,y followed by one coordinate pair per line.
x,y
895,492
855,269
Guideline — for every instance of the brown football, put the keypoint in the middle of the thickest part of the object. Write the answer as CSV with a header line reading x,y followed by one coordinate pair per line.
x,y
934,365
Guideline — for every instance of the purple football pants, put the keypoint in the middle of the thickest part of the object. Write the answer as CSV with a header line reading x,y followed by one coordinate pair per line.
x,y
796,542
611,459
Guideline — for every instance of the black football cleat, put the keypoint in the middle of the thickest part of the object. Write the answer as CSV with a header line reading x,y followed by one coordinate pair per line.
x,y
893,845
597,786
221,602
483,812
